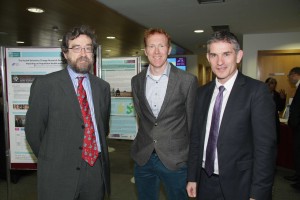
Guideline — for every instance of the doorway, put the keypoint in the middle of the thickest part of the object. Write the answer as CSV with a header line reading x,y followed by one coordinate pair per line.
x,y
277,64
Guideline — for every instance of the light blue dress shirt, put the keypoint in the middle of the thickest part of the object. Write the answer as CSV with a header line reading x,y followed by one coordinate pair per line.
x,y
156,87
87,87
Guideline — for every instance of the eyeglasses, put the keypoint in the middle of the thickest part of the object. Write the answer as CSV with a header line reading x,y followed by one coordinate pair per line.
x,y
78,49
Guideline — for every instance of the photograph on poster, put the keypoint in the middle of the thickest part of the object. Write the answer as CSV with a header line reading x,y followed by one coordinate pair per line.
x,y
23,78
19,120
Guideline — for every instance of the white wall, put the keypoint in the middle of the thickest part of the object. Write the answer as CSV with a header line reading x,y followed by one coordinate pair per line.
x,y
271,41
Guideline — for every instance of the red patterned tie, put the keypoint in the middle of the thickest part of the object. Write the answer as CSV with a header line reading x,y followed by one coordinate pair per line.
x,y
89,150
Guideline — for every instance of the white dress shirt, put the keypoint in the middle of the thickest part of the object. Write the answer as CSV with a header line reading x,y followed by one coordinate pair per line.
x,y
228,87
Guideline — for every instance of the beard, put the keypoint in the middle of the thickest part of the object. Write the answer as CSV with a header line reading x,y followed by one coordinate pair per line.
x,y
81,65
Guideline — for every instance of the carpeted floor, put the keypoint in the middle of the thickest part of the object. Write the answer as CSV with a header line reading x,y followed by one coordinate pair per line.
x,y
122,179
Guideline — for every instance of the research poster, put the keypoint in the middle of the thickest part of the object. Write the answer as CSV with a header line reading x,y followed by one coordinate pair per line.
x,y
23,65
118,73
122,119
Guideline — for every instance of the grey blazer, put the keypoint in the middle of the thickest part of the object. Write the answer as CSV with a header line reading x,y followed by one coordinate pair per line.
x,y
54,130
169,133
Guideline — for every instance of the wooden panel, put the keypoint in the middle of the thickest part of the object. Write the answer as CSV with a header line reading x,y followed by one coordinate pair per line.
x,y
277,64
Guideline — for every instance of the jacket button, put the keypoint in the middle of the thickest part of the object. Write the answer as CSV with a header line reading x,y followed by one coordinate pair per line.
x,y
77,168
154,141
82,126
155,124
80,147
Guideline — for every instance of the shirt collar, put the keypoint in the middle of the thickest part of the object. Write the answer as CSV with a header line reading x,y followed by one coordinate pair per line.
x,y
166,71
229,84
74,75
298,83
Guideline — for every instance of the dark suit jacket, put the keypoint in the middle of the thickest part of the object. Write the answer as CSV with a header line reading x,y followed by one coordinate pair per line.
x,y
54,129
280,105
169,133
294,123
294,112
246,143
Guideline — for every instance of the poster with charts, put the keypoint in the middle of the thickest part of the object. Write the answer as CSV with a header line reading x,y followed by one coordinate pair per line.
x,y
23,65
118,73
123,123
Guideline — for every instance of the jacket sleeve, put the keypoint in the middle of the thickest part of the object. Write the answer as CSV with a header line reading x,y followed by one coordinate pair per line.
x,y
191,97
264,141
37,115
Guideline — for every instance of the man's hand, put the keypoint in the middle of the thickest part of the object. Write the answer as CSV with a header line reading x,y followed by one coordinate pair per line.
x,y
282,94
191,189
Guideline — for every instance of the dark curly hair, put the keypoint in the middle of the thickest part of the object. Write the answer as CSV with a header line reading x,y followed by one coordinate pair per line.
x,y
75,33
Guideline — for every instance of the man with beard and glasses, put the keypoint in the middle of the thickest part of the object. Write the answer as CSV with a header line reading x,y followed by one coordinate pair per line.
x,y
67,123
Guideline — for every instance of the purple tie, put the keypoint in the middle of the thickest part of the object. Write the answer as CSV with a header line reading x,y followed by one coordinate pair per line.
x,y
213,133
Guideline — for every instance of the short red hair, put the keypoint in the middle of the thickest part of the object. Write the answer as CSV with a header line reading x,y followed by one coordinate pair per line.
x,y
153,31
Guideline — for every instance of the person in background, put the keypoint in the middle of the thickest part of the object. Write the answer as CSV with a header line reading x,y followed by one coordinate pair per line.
x,y
294,124
67,124
164,102
233,139
279,99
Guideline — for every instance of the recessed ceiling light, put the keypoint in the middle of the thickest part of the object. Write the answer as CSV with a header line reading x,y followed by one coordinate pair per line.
x,y
198,31
35,10
111,37
20,42
60,40
108,50
55,28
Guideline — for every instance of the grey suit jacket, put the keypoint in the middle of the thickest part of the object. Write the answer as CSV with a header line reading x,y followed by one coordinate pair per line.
x,y
169,133
246,143
54,129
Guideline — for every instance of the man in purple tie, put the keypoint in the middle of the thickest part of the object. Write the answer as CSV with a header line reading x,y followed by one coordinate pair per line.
x,y
233,138
67,123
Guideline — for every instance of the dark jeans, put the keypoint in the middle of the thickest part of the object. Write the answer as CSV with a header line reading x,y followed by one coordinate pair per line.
x,y
148,177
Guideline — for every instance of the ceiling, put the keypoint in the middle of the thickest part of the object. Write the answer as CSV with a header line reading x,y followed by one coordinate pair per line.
x,y
178,17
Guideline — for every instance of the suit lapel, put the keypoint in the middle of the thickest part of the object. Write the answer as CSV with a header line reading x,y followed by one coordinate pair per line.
x,y
68,88
142,83
172,84
206,101
233,98
96,97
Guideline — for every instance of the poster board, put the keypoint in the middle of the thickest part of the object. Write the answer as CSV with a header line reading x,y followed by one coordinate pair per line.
x,y
118,73
22,66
